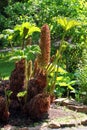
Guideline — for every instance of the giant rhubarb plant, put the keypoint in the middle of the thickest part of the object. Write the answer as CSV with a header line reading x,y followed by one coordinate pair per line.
x,y
37,84
37,108
4,114
38,101
17,78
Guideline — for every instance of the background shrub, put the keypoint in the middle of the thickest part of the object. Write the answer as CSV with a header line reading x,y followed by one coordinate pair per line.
x,y
81,75
40,12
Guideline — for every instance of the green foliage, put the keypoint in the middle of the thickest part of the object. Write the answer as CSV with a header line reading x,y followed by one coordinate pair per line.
x,y
55,66
63,82
23,32
26,29
59,80
3,4
72,56
19,34
71,53
67,13
81,75
2,22
17,13
7,36
40,12
28,53
66,23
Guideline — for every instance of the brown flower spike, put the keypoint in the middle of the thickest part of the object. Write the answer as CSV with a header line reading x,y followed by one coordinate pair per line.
x,y
44,57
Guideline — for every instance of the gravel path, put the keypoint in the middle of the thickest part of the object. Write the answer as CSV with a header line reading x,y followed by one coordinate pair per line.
x,y
67,128
72,128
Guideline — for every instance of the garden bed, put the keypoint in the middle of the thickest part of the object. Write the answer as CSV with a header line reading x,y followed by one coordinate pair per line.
x,y
59,116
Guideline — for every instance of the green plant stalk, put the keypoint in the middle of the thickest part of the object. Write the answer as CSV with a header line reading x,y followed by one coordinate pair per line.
x,y
26,79
57,61
28,73
60,52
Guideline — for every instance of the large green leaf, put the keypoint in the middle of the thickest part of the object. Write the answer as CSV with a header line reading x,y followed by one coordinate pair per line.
x,y
67,23
26,29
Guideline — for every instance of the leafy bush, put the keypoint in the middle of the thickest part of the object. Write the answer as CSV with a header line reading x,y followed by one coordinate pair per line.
x,y
20,35
63,82
72,56
71,53
41,12
3,4
81,76
28,53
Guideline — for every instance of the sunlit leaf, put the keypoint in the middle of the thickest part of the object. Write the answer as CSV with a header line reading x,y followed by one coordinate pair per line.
x,y
63,84
67,23
26,24
71,23
22,94
70,87
62,22
33,29
10,37
51,74
59,78
72,82
26,29
66,85
61,70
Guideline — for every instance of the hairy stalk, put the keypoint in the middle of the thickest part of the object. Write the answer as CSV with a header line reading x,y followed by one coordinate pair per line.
x,y
55,62
28,73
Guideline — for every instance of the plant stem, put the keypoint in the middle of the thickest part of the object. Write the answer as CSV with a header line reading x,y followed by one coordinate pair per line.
x,y
26,79
57,62
11,46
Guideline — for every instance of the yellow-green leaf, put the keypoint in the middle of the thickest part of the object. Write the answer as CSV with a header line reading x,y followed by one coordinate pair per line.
x,y
63,84
67,23
59,78
70,87
22,94
61,70
33,29
10,37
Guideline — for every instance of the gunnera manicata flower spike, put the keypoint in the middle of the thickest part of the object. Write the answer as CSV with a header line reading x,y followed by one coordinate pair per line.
x,y
44,57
